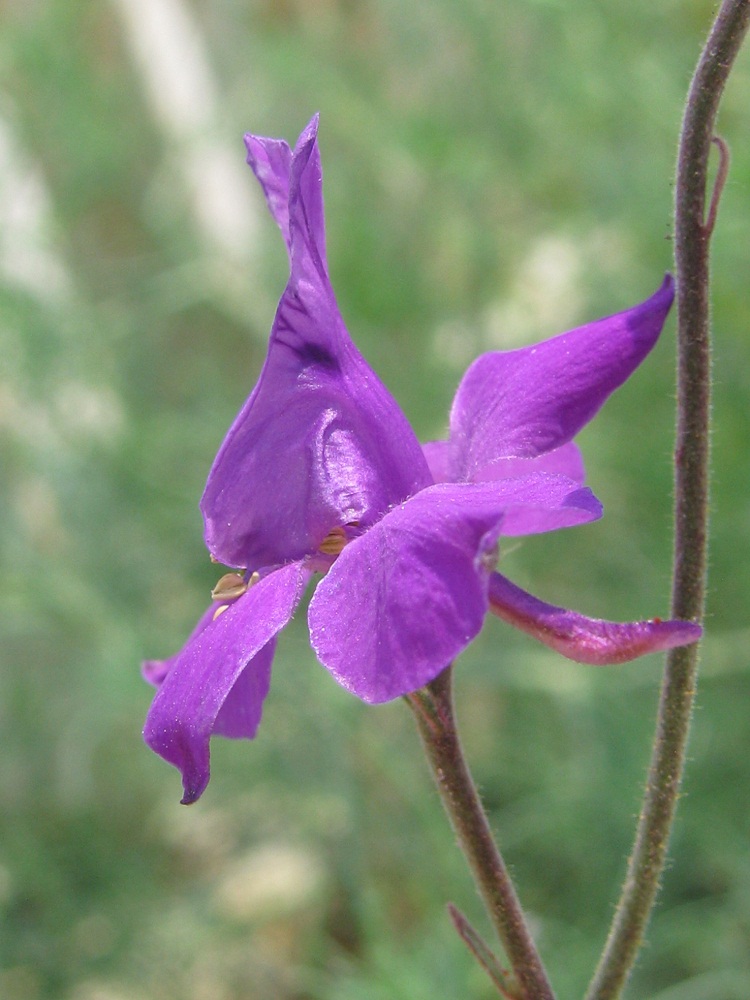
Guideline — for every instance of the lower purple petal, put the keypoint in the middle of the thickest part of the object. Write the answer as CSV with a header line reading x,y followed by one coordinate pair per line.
x,y
407,596
239,716
402,600
586,640
218,682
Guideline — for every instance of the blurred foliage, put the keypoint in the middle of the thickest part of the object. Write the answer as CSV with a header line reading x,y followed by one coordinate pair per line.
x,y
495,173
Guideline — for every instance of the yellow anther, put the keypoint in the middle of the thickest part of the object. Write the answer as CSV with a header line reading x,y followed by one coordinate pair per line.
x,y
229,586
220,611
334,542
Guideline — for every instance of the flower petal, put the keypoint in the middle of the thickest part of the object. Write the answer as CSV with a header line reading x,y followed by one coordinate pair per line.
x,y
539,502
278,170
320,442
240,713
271,162
586,640
154,671
438,457
219,680
402,600
523,403
564,461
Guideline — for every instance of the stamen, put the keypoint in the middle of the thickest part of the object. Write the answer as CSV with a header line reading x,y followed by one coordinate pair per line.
x,y
220,611
334,542
230,585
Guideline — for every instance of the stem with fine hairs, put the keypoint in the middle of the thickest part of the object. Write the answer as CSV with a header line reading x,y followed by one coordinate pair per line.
x,y
433,710
693,228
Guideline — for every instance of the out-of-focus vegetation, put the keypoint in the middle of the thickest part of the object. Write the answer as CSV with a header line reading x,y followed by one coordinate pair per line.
x,y
494,173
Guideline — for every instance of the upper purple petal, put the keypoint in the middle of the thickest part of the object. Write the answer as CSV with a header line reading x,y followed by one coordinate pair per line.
x,y
292,183
271,162
523,403
320,442
586,640
219,680
402,600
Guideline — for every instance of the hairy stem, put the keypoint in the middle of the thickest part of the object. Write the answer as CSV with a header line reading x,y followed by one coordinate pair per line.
x,y
693,228
482,953
433,709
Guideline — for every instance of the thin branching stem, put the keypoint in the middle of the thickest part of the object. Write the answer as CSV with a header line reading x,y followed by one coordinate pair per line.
x,y
433,710
482,953
693,228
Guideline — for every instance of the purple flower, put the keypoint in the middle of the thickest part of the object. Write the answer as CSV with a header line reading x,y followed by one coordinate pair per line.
x,y
321,473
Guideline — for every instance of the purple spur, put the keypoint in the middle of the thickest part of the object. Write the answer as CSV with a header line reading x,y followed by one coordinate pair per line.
x,y
321,473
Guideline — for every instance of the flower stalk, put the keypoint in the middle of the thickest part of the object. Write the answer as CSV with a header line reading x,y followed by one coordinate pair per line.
x,y
433,710
693,228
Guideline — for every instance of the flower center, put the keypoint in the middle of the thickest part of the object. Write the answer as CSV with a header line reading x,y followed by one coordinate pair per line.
x,y
490,558
334,542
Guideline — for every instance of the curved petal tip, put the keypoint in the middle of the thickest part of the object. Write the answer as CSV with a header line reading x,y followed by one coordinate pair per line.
x,y
586,640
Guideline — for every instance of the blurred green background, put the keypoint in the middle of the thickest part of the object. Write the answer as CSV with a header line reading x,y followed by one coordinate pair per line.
x,y
494,173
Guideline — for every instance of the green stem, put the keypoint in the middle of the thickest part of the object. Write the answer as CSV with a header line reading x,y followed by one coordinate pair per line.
x,y
433,710
693,228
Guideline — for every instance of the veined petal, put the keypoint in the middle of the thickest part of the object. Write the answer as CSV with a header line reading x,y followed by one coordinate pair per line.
x,y
402,600
320,442
220,679
586,640
523,403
